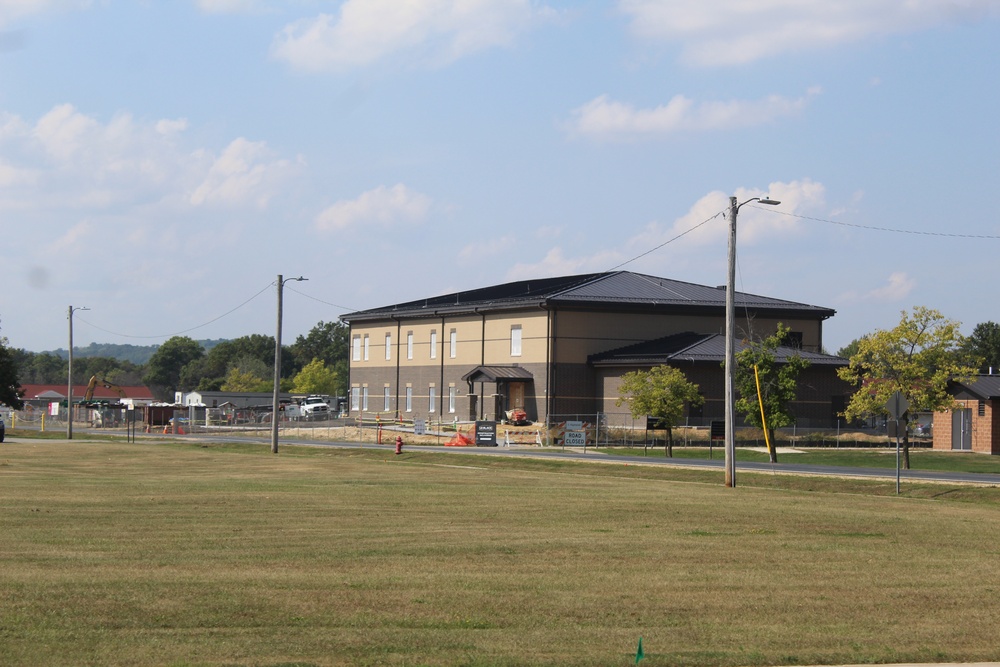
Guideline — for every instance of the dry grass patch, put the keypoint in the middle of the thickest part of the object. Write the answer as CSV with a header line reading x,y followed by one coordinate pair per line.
x,y
118,554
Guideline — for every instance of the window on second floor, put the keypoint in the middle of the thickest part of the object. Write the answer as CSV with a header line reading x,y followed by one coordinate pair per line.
x,y
515,340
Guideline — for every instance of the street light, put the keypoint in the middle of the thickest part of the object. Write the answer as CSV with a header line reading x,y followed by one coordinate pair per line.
x,y
69,387
277,367
734,208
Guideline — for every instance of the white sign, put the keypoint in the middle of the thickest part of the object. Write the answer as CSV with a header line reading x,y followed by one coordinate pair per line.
x,y
575,439
419,426
53,409
574,426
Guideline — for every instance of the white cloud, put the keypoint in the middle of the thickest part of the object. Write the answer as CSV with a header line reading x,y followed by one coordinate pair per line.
x,y
755,222
605,118
245,172
230,6
15,9
382,205
731,32
430,31
898,286
67,160
556,263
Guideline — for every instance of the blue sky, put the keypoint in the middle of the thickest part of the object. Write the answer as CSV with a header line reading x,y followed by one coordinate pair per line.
x,y
161,162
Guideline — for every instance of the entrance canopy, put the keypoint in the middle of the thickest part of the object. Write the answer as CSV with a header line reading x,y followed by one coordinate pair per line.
x,y
498,374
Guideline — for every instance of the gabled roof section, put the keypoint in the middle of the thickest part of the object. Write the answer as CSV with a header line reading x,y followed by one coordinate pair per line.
x,y
689,348
617,290
983,387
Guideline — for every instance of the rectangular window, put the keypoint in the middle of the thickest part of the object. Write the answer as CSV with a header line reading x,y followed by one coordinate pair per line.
x,y
356,348
409,399
453,343
981,409
387,399
434,343
388,346
451,399
409,344
355,398
432,395
515,340
364,398
366,347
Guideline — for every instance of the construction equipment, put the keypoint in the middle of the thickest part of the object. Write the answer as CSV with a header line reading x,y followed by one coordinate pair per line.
x,y
88,396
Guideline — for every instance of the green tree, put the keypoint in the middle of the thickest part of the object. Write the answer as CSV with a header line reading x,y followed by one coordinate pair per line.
x,y
10,388
661,393
315,378
983,346
778,385
163,373
329,342
850,349
918,357
243,380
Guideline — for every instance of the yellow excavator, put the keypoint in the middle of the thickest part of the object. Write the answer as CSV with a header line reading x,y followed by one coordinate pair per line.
x,y
88,396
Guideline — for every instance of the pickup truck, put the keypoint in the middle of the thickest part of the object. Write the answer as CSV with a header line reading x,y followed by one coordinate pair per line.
x,y
314,407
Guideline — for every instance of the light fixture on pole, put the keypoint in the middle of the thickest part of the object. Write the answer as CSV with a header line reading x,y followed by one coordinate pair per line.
x,y
730,398
69,382
275,415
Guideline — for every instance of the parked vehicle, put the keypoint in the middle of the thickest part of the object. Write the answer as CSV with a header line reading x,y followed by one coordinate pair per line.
x,y
314,407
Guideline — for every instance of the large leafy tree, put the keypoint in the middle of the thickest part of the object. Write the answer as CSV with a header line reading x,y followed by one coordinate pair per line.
x,y
769,408
164,369
661,393
917,358
329,342
983,345
10,387
316,378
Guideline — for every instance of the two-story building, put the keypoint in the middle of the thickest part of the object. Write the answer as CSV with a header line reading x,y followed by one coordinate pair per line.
x,y
548,346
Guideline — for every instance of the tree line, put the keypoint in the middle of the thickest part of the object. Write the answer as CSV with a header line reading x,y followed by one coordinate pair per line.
x,y
316,363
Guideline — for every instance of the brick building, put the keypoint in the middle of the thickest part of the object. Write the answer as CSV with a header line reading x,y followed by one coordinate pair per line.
x,y
974,425
555,346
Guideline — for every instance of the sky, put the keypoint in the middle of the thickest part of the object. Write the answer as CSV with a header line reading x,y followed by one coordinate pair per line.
x,y
162,162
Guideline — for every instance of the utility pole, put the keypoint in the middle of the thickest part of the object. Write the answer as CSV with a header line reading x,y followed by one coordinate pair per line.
x,y
275,414
730,397
69,382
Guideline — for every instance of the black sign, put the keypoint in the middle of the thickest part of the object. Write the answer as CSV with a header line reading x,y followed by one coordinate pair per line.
x,y
718,429
486,434
652,423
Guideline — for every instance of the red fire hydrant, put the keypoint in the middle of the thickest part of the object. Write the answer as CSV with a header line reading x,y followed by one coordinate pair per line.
x,y
399,444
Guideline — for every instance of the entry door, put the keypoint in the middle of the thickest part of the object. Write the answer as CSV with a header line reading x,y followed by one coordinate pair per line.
x,y
517,395
961,429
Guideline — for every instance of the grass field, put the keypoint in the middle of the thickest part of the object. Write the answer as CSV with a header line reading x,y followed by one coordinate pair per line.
x,y
181,554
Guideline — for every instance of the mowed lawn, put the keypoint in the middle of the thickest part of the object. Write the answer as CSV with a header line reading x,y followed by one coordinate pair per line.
x,y
179,554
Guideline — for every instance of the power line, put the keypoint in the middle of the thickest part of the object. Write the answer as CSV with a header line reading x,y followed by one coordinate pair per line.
x,y
215,319
914,232
325,303
668,241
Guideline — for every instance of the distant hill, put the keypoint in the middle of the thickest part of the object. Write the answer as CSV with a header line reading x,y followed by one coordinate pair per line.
x,y
137,354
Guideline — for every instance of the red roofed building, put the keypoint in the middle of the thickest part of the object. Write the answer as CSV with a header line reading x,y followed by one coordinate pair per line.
x,y
40,395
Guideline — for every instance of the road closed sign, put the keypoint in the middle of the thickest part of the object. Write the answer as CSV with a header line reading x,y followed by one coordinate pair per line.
x,y
575,439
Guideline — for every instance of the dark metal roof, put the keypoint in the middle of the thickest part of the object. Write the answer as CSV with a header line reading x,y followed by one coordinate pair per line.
x,y
693,348
621,290
497,373
984,387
